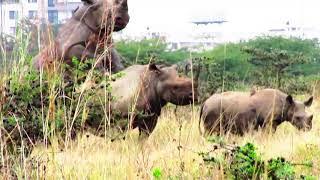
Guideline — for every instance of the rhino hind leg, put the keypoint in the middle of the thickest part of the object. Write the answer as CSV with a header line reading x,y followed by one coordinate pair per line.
x,y
211,122
246,121
80,52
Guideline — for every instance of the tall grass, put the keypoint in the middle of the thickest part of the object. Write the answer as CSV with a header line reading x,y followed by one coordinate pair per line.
x,y
171,150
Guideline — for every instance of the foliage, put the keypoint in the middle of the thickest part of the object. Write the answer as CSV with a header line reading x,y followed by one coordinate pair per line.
x,y
290,64
144,51
49,105
244,162
308,47
156,173
32,35
277,62
230,58
279,168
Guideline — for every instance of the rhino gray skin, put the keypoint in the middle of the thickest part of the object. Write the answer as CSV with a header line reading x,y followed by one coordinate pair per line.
x,y
146,89
239,111
272,104
86,34
232,109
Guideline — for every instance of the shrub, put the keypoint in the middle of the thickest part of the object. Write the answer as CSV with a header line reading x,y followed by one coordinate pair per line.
x,y
245,162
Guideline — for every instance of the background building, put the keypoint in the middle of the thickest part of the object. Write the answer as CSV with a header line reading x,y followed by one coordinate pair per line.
x,y
39,11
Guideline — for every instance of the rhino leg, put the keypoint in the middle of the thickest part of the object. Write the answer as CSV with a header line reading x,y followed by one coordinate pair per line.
x,y
211,122
145,123
80,52
116,64
245,121
116,61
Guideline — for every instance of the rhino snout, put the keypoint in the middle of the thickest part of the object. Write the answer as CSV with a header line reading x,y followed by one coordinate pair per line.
x,y
120,23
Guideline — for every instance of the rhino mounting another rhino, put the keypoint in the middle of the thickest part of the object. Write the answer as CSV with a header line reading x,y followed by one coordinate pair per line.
x,y
87,35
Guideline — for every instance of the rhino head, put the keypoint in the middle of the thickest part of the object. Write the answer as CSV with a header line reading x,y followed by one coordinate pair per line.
x,y
173,88
297,114
108,15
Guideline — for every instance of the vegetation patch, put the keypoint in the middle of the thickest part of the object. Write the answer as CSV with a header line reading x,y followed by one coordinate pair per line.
x,y
245,162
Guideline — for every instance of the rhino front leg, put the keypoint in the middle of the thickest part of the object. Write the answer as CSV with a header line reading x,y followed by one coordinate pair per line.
x,y
83,53
145,123
80,52
116,61
116,64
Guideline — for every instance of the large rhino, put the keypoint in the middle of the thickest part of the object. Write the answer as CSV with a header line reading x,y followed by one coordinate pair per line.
x,y
86,35
238,111
143,90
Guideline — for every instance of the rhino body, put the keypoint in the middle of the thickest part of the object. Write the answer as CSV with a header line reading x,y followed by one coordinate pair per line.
x,y
240,111
144,89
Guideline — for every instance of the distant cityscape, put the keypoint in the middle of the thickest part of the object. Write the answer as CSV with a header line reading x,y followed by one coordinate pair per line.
x,y
38,11
202,33
207,33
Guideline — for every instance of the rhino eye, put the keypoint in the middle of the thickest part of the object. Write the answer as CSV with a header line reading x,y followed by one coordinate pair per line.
x,y
298,118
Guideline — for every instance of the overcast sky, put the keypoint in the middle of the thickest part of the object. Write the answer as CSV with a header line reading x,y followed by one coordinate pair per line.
x,y
242,15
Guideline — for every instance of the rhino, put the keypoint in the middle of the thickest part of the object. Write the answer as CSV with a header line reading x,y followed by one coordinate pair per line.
x,y
240,111
142,91
86,35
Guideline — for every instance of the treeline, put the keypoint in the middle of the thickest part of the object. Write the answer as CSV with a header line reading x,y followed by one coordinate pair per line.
x,y
290,64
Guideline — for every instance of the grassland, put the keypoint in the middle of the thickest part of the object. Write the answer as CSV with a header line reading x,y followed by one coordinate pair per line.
x,y
91,157
171,152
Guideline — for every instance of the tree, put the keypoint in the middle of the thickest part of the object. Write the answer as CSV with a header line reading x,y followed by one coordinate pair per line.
x,y
141,52
275,60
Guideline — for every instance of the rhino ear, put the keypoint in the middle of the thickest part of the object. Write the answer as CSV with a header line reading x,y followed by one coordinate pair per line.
x,y
308,103
154,68
289,99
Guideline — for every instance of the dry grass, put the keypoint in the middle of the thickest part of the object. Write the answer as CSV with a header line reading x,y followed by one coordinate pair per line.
x,y
91,157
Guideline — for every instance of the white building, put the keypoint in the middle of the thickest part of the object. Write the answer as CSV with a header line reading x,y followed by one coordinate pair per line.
x,y
52,11
288,30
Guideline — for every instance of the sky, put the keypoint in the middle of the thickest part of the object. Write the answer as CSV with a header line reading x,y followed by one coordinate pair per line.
x,y
243,16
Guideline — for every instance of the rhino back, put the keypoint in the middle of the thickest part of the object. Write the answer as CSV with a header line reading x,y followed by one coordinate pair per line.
x,y
269,102
228,102
126,89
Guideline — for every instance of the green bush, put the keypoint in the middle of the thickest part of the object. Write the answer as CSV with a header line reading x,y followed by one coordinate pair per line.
x,y
144,51
245,162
